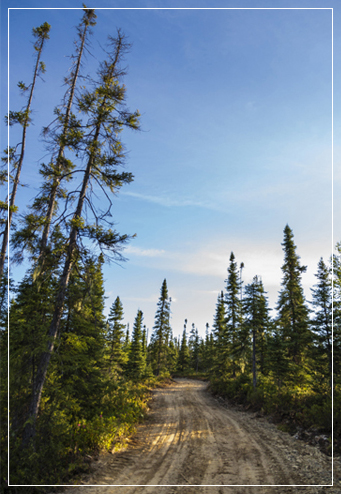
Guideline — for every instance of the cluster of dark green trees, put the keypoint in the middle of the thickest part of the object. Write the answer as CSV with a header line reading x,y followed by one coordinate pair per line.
x,y
133,358
295,346
59,350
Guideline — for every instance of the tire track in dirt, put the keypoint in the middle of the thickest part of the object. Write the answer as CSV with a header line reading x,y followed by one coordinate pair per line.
x,y
190,439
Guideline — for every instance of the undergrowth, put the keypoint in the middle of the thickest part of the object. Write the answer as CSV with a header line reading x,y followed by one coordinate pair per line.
x,y
64,443
291,406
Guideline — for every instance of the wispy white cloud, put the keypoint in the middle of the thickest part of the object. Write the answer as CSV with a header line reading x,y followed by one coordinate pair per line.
x,y
137,251
168,201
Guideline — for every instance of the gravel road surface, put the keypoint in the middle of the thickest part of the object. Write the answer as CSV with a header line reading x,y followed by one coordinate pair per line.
x,y
189,439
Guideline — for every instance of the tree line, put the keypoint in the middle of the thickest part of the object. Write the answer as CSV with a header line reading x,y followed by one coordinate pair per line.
x,y
293,348
78,380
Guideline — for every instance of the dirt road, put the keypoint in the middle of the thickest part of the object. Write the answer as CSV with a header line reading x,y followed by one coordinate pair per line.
x,y
190,439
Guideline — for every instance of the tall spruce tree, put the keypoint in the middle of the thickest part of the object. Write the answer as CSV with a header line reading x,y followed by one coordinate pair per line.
x,y
235,336
162,331
65,133
256,312
136,365
115,337
322,319
183,358
194,347
79,358
293,320
23,118
221,343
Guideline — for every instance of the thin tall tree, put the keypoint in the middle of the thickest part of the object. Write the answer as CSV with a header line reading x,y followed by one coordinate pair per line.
x,y
66,132
22,117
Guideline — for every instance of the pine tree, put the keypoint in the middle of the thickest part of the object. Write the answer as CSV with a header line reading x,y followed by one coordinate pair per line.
x,y
235,335
183,359
322,320
103,153
23,118
173,355
279,364
292,320
221,343
206,352
255,309
194,347
65,133
79,359
29,318
136,365
127,343
115,337
162,331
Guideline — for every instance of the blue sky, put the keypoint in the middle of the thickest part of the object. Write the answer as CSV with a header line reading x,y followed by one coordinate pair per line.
x,y
236,140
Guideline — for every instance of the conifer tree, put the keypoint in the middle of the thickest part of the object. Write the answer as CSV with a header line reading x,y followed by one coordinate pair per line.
x,y
256,322
162,331
103,152
144,339
23,118
206,351
322,320
126,346
80,353
137,361
65,133
277,356
183,359
115,336
292,320
172,355
235,336
221,343
194,347
29,317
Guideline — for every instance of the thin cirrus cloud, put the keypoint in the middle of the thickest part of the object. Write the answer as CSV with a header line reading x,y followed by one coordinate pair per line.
x,y
168,201
138,251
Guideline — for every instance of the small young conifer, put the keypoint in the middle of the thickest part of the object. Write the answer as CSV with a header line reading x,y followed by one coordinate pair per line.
x,y
115,337
136,365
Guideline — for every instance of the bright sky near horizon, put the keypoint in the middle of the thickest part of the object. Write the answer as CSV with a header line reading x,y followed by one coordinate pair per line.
x,y
236,140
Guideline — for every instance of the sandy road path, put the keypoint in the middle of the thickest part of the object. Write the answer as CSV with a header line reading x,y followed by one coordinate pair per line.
x,y
190,439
